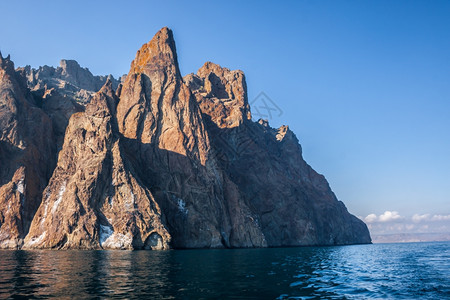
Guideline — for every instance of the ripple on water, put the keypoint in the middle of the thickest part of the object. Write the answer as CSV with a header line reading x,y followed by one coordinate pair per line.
x,y
401,271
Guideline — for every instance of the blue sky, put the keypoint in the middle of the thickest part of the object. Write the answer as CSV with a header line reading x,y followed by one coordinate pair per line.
x,y
365,85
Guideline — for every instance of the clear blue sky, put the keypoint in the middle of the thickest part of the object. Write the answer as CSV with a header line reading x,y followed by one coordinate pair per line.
x,y
365,85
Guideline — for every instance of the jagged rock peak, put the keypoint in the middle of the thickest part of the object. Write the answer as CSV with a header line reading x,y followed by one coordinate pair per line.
x,y
176,162
69,64
70,67
264,122
155,105
221,94
6,62
69,79
107,87
160,52
105,101
209,67
6,58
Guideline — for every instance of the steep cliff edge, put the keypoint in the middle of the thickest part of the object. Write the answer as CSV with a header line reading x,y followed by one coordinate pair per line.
x,y
292,203
93,200
164,127
163,162
26,156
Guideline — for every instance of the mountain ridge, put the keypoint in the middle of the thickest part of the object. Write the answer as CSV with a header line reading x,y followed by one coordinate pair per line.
x,y
158,161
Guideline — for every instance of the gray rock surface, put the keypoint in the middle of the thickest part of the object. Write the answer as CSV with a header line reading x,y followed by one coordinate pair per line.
x,y
69,79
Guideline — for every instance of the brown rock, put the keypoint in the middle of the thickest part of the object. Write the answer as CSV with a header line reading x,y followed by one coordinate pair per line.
x,y
221,94
174,163
291,202
93,200
26,156
59,108
163,123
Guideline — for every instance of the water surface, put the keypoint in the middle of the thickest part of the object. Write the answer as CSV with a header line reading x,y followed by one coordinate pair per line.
x,y
388,271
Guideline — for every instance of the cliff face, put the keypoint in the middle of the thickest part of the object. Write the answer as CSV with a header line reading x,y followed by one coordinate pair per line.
x,y
291,203
26,156
63,91
164,162
163,125
93,199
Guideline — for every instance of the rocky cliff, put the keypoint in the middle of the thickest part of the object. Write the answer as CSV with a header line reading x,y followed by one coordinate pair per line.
x,y
162,162
26,155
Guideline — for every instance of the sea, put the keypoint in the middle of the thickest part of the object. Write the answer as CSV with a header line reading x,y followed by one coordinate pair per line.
x,y
377,271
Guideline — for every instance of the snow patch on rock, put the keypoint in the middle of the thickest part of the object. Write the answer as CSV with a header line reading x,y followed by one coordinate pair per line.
x,y
62,189
112,240
46,197
21,185
37,240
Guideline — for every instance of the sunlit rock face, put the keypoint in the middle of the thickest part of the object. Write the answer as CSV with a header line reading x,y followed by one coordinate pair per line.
x,y
221,94
160,162
93,199
163,125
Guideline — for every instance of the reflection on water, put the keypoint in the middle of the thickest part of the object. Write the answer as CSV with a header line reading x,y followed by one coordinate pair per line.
x,y
365,271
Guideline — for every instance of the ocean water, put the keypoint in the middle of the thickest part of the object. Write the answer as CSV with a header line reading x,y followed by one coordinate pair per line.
x,y
379,271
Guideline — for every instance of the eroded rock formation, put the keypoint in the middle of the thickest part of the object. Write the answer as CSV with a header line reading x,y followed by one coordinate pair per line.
x,y
69,79
163,162
93,199
26,156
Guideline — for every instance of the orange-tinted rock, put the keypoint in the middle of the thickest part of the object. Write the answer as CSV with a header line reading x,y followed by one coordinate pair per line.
x,y
221,94
161,119
162,162
94,200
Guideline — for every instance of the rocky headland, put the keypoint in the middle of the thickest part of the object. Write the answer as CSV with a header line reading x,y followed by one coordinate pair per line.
x,y
153,160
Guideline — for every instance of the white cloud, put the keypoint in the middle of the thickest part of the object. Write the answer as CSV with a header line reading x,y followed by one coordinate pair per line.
x,y
418,218
389,216
392,222
440,218
370,218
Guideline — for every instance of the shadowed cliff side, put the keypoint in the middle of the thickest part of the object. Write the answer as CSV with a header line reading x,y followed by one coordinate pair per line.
x,y
292,203
26,156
